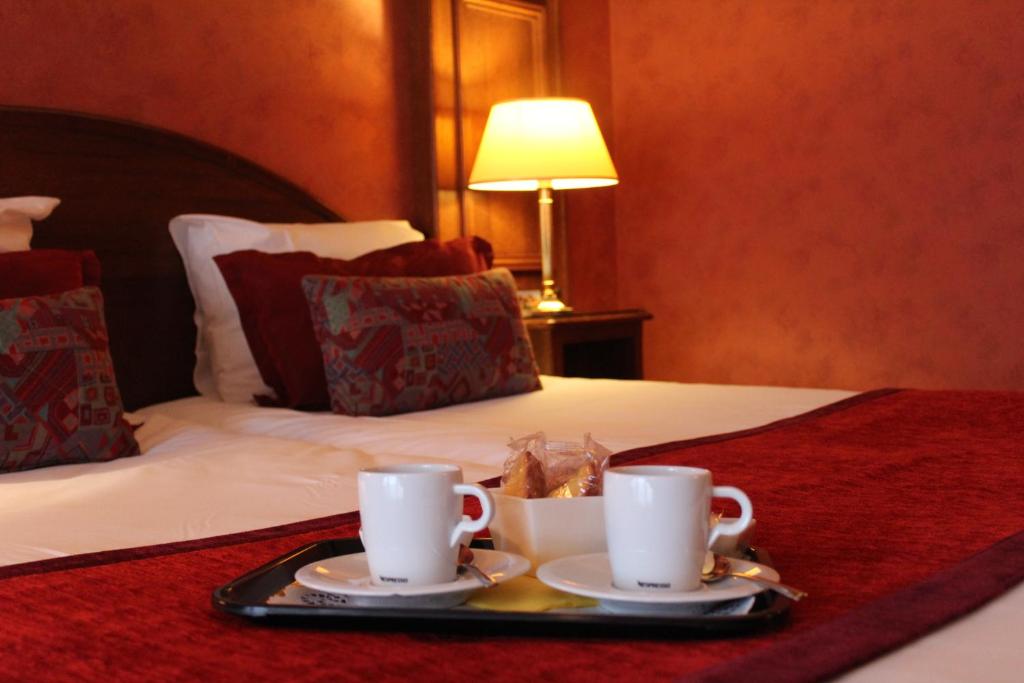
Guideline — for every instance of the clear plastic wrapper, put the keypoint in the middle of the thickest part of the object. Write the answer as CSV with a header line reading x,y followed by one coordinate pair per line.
x,y
538,468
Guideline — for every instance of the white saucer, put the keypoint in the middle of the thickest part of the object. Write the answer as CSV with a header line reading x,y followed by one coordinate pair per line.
x,y
348,577
591,576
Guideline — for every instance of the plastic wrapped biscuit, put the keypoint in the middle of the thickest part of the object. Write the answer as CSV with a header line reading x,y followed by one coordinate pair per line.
x,y
585,481
538,468
524,476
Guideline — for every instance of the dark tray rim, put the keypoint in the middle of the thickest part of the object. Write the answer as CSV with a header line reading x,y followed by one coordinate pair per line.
x,y
246,596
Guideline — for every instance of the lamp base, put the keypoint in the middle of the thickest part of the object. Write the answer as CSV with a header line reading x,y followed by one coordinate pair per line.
x,y
547,304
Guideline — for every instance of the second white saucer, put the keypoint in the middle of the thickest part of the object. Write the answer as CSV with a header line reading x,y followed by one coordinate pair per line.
x,y
349,576
591,576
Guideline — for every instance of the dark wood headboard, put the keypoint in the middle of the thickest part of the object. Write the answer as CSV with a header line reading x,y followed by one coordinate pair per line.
x,y
119,184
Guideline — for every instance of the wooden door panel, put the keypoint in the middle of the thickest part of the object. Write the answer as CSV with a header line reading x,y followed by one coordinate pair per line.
x,y
486,51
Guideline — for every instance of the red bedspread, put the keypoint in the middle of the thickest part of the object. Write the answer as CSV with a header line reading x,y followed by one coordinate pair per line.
x,y
897,511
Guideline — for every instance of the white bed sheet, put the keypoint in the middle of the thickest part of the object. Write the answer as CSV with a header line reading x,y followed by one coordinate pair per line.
x,y
619,414
211,468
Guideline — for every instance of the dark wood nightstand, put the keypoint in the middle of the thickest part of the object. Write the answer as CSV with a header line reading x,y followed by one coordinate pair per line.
x,y
604,344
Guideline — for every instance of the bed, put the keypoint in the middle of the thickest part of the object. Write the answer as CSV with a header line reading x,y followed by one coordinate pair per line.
x,y
211,469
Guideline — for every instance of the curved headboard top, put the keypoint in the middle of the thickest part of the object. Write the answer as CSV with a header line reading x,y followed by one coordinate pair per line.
x,y
119,184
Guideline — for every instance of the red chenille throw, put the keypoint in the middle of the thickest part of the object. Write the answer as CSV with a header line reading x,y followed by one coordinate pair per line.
x,y
844,497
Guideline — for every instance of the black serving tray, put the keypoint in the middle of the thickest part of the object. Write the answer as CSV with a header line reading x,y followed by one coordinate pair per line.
x,y
249,596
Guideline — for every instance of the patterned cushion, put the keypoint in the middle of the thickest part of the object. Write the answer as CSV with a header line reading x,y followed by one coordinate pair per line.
x,y
59,402
395,345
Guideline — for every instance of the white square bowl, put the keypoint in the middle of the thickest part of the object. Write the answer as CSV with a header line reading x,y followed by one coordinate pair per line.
x,y
545,529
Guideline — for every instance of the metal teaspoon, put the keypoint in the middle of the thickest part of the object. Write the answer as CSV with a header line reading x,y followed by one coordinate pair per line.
x,y
722,568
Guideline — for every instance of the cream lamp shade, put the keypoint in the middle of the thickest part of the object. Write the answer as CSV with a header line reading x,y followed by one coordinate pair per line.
x,y
553,142
542,144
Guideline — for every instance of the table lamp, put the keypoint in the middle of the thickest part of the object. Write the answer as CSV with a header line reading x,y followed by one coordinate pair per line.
x,y
542,144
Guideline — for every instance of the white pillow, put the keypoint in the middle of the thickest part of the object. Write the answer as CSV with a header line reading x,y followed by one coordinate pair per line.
x,y
16,216
348,240
224,364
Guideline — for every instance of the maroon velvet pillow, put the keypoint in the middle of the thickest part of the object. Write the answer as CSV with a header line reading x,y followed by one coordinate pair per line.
x,y
46,271
59,401
267,288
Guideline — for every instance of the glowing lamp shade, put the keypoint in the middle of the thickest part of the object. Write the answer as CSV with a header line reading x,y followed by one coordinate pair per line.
x,y
553,142
540,145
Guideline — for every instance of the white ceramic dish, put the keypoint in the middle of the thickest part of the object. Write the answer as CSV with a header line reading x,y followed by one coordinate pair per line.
x,y
545,529
349,576
591,576
681,609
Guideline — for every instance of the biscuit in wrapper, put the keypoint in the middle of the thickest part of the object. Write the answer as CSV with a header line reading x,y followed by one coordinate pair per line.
x,y
583,482
538,468
524,476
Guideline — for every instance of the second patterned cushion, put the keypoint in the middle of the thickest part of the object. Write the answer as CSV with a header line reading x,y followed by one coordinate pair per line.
x,y
59,402
397,345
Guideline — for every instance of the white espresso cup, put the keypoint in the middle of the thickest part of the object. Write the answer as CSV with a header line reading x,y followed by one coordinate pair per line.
x,y
656,522
412,522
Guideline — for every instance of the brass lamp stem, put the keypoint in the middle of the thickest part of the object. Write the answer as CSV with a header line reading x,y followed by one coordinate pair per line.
x,y
549,301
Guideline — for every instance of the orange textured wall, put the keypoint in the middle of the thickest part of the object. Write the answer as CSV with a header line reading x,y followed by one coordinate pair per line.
x,y
306,89
823,193
590,214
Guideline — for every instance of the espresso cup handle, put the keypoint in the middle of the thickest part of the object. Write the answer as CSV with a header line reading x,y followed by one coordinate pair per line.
x,y
471,526
746,513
